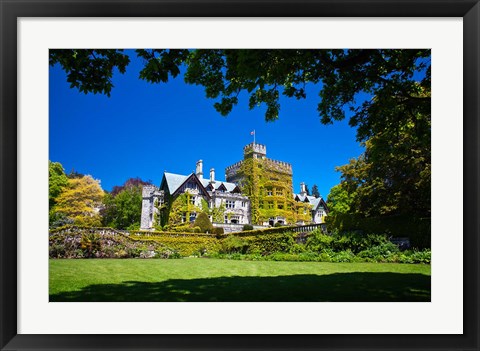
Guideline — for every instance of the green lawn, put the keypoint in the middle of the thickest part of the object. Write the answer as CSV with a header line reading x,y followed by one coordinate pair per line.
x,y
200,279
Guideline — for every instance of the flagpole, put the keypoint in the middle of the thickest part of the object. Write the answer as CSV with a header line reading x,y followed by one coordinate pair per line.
x,y
254,136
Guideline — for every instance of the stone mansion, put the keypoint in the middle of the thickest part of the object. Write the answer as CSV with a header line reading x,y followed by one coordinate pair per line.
x,y
257,190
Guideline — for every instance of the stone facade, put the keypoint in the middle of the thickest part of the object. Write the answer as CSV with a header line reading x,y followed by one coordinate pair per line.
x,y
216,194
257,190
268,184
152,199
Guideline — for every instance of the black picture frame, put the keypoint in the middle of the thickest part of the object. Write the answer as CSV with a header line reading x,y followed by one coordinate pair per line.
x,y
11,10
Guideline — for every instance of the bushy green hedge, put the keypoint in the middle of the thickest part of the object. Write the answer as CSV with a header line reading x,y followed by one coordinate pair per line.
x,y
418,230
409,256
266,244
258,244
354,241
193,245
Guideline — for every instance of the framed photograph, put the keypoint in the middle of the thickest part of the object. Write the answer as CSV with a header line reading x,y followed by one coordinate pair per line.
x,y
273,157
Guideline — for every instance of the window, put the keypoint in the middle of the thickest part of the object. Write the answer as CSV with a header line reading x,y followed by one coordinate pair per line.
x,y
193,216
270,205
229,204
192,200
269,193
226,219
279,193
280,207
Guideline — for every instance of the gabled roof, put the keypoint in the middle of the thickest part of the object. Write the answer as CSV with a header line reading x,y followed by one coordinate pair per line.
x,y
219,185
316,202
175,181
321,202
301,197
172,181
222,187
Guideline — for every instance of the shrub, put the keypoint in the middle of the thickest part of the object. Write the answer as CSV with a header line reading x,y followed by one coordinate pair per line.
x,y
343,256
269,243
317,241
424,256
381,253
134,226
297,248
356,241
218,231
57,250
247,227
170,254
278,224
418,230
233,244
203,223
90,244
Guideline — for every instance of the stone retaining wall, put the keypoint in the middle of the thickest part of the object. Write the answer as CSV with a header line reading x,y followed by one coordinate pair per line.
x,y
233,228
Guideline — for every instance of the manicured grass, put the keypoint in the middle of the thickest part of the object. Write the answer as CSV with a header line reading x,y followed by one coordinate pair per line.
x,y
200,279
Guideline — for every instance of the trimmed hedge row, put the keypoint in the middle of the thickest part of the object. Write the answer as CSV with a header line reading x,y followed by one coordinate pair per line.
x,y
185,245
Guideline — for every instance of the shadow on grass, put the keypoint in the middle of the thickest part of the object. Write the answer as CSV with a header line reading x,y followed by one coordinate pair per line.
x,y
354,287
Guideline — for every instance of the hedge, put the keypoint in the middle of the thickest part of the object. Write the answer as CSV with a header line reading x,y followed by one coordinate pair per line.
x,y
261,244
185,244
85,243
418,230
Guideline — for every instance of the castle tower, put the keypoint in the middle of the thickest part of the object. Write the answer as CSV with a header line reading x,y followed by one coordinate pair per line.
x,y
254,150
152,197
268,184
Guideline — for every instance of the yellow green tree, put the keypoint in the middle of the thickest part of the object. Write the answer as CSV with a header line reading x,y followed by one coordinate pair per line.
x,y
57,180
80,201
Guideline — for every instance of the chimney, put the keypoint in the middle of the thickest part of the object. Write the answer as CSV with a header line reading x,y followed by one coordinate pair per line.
x,y
199,171
212,175
303,192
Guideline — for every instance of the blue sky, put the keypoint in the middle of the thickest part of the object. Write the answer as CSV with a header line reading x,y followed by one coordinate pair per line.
x,y
145,129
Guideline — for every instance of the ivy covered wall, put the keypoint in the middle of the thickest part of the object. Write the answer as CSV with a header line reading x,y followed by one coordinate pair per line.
x,y
268,184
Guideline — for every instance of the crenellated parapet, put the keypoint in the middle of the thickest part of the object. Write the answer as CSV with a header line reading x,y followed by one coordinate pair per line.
x,y
148,190
256,148
280,165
